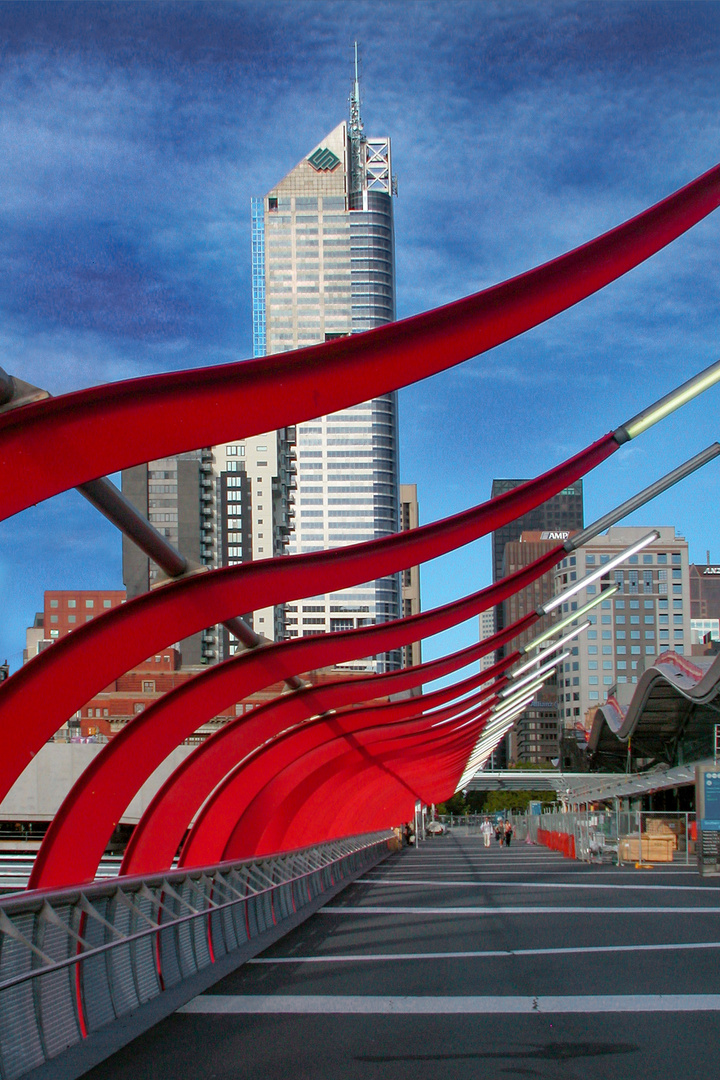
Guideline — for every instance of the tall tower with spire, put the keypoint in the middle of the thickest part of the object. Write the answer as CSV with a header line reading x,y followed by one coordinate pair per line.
x,y
323,267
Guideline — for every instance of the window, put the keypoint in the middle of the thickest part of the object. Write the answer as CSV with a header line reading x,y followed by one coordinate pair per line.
x,y
107,603
677,575
634,605
53,603
677,620
592,650
676,558
138,707
593,695
647,559
677,605
589,560
633,560
592,635
605,620
592,680
54,633
649,620
89,603
592,665
621,650
71,618
606,635
662,559
620,634
53,618
649,635
72,603
607,665
607,650
621,665
148,686
607,680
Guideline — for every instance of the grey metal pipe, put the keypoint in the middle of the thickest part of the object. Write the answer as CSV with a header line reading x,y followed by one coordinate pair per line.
x,y
111,502
642,497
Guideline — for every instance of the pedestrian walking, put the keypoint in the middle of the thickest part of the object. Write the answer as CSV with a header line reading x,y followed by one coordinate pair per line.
x,y
509,833
499,833
486,831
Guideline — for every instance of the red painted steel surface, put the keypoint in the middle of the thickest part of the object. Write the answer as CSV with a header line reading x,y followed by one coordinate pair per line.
x,y
55,684
77,836
268,822
52,445
159,832
216,821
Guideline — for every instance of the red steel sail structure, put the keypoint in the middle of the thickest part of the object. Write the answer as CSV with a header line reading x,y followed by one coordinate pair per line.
x,y
380,757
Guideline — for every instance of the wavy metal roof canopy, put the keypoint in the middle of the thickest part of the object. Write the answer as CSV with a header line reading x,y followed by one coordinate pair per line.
x,y
267,777
675,705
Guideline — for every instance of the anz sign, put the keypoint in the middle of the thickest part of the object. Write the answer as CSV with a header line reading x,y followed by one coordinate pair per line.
x,y
712,570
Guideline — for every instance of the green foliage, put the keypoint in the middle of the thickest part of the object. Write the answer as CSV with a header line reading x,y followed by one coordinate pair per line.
x,y
516,800
454,805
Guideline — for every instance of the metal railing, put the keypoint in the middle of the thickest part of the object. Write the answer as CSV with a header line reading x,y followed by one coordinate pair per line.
x,y
74,961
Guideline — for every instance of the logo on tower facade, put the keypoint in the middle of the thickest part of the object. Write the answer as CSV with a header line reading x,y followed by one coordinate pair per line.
x,y
323,160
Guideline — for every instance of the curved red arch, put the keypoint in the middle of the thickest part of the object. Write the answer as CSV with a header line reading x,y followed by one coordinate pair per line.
x,y
60,680
160,830
77,836
51,445
212,830
267,822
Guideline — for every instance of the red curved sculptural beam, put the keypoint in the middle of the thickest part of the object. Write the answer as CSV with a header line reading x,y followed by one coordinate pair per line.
x,y
51,445
70,853
266,824
213,828
349,786
160,830
58,682
347,796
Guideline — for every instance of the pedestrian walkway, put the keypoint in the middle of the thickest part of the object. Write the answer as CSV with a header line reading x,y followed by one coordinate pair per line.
x,y
454,961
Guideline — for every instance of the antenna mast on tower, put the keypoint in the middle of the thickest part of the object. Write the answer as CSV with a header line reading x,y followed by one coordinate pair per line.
x,y
355,131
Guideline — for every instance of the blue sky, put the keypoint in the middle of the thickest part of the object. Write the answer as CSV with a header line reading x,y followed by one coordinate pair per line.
x,y
132,137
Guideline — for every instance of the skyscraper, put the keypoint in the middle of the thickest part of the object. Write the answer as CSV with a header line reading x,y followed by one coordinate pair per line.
x,y
545,527
323,267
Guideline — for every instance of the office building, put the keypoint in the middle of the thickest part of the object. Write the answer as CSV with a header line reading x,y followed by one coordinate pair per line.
x,y
704,602
323,267
63,611
544,527
410,579
167,493
535,737
487,629
649,615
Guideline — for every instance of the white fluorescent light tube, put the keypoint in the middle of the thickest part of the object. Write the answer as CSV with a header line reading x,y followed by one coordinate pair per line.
x,y
572,617
517,693
672,401
550,650
556,601
531,676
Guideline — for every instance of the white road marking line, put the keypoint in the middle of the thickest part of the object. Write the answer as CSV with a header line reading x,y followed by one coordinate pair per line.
x,y
244,1004
481,954
531,910
528,885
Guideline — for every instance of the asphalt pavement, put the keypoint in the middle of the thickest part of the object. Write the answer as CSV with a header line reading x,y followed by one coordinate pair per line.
x,y
454,961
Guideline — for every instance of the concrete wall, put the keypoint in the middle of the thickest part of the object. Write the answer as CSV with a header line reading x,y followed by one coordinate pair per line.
x,y
39,791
